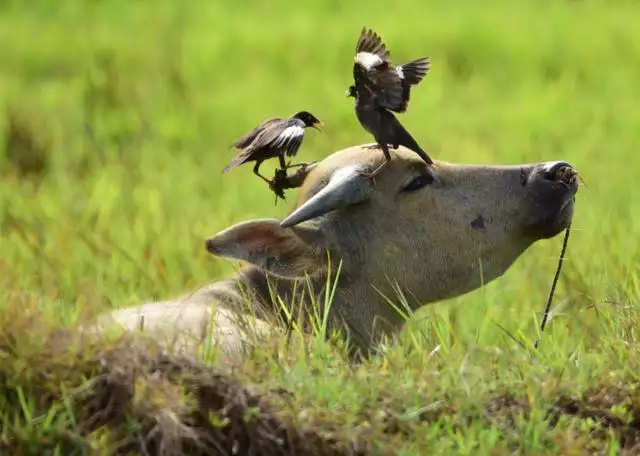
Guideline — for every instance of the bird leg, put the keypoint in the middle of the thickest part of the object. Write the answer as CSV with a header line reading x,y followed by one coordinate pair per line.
x,y
283,165
286,166
387,160
257,173
378,145
297,165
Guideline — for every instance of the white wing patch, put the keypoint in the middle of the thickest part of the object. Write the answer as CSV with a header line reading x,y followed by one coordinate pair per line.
x,y
290,133
368,60
290,139
400,72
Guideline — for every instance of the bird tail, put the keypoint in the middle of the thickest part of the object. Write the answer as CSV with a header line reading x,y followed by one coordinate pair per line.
x,y
404,138
414,71
236,162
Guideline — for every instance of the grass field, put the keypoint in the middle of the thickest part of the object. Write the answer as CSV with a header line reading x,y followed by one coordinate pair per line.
x,y
115,121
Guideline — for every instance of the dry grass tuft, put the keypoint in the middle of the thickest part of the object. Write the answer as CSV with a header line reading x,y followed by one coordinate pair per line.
x,y
129,395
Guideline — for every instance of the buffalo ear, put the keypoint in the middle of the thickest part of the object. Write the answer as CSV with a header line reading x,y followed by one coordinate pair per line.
x,y
285,252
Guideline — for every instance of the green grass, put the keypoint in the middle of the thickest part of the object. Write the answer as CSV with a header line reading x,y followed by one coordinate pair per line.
x,y
115,121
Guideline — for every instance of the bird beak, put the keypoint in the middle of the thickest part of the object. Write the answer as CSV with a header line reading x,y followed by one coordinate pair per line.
x,y
347,94
317,127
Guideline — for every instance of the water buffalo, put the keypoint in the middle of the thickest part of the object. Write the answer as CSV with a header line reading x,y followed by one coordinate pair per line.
x,y
431,232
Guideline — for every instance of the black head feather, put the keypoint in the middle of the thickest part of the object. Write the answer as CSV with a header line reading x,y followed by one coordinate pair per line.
x,y
305,116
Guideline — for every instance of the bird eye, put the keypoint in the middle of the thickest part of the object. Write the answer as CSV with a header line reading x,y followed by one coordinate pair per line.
x,y
418,182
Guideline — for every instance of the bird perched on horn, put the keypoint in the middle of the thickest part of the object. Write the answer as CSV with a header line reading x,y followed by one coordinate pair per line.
x,y
380,88
274,137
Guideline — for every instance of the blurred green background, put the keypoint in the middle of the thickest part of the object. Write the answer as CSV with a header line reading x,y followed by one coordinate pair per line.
x,y
116,119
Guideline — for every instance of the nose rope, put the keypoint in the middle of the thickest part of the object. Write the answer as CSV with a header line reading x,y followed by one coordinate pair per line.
x,y
555,282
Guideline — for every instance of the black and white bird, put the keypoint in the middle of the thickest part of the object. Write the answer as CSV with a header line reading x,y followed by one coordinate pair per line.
x,y
379,89
390,84
274,137
383,126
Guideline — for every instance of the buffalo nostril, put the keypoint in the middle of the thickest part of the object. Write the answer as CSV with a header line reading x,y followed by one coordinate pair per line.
x,y
559,172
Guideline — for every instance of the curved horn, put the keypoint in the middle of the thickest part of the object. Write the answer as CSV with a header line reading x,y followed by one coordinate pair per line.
x,y
347,186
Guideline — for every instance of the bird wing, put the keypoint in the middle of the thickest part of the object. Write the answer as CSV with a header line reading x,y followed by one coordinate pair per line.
x,y
372,69
245,140
286,136
370,50
411,73
246,144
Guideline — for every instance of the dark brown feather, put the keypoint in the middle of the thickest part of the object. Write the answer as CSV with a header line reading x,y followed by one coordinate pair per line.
x,y
413,72
384,126
269,138
248,137
370,41
382,80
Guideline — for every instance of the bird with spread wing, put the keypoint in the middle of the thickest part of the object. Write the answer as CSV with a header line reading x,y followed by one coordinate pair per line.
x,y
379,88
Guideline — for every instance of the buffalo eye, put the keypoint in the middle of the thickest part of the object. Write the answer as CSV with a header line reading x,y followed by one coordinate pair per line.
x,y
418,182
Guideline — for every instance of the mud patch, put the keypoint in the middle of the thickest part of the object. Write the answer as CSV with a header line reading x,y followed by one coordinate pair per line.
x,y
611,407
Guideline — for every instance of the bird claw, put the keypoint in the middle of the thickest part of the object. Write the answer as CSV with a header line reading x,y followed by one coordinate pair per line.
x,y
282,180
369,175
275,188
275,184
